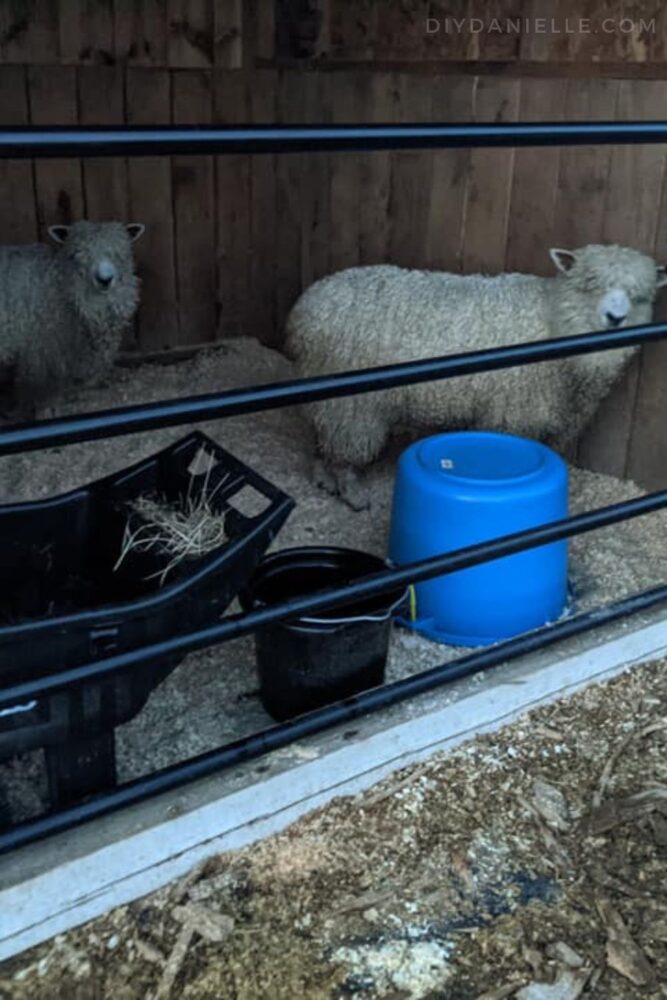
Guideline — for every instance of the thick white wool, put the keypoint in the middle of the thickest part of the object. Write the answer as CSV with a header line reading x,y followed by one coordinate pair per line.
x,y
369,316
57,325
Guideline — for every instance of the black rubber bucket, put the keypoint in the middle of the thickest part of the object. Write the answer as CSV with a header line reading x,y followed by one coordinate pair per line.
x,y
311,662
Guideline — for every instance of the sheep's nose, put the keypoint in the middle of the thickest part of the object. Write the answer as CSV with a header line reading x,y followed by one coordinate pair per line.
x,y
105,272
614,320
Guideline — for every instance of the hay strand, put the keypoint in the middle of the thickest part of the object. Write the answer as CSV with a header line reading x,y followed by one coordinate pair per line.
x,y
186,529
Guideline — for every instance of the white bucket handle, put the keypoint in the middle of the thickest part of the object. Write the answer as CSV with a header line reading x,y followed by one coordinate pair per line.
x,y
379,616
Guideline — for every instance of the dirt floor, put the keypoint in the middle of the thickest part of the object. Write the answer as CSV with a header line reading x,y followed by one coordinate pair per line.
x,y
531,863
212,697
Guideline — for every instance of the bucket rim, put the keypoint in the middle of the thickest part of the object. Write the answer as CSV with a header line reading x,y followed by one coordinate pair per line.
x,y
546,458
315,551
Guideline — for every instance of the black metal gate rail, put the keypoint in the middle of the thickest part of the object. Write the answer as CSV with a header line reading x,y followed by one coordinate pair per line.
x,y
56,142
193,409
22,142
282,735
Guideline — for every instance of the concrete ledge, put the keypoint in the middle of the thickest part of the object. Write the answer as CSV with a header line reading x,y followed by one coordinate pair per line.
x,y
51,887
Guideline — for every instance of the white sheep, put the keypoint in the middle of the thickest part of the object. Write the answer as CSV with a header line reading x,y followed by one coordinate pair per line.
x,y
63,308
369,316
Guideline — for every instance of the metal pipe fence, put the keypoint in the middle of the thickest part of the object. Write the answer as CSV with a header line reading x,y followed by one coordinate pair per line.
x,y
22,142
281,735
235,626
193,409
56,142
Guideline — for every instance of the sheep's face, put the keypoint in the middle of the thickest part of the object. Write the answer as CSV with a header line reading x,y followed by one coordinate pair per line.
x,y
100,262
613,286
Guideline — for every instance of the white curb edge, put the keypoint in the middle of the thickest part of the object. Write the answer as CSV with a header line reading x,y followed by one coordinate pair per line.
x,y
78,890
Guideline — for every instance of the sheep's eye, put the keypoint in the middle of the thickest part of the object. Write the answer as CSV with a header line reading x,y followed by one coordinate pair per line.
x,y
641,300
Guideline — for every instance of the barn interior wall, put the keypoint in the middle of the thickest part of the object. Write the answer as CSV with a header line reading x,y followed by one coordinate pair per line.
x,y
231,241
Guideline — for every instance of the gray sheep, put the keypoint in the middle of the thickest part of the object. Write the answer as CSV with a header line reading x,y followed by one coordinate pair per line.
x,y
63,308
364,317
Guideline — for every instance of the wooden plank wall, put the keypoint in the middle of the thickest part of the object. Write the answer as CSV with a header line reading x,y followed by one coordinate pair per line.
x,y
231,241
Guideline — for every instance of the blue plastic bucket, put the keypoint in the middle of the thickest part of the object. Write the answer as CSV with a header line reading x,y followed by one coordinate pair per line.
x,y
458,489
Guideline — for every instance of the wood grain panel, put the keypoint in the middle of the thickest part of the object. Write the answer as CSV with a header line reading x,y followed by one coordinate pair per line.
x,y
150,200
228,33
315,186
18,217
190,33
550,33
451,101
411,177
259,31
403,32
595,31
583,180
532,212
291,106
489,182
378,105
86,31
500,38
345,175
59,187
636,173
140,32
353,30
260,315
231,105
30,32
194,213
102,102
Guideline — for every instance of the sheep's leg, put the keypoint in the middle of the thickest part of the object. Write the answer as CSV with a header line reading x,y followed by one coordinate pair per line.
x,y
350,433
342,480
352,490
324,477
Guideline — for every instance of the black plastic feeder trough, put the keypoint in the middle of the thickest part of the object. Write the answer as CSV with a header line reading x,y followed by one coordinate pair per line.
x,y
66,602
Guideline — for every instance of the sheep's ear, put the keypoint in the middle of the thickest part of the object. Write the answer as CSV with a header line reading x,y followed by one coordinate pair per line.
x,y
135,230
563,259
58,233
661,272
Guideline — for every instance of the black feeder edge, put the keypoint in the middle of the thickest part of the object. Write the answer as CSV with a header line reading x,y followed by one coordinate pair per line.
x,y
65,605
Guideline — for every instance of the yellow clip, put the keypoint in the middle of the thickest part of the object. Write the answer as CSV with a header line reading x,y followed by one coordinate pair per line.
x,y
413,603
